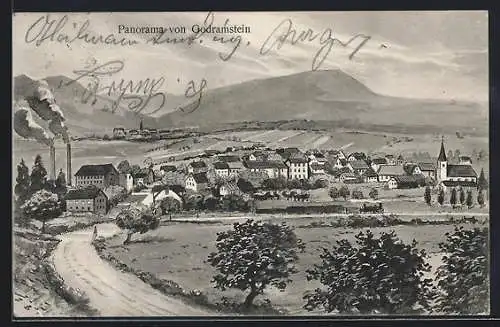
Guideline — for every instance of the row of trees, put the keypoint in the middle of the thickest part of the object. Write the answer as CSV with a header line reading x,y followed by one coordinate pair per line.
x,y
457,197
344,192
281,183
375,275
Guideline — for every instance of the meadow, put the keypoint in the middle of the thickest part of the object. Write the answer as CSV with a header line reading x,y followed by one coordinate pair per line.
x,y
178,252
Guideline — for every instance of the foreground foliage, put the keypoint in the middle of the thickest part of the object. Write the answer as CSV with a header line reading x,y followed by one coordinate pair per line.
x,y
379,275
136,220
463,279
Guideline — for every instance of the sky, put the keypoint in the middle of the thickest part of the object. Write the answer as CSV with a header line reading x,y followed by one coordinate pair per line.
x,y
440,55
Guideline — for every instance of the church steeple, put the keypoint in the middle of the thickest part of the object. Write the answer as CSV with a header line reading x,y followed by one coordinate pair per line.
x,y
442,152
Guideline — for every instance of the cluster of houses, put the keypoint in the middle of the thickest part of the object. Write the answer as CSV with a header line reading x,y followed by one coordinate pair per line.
x,y
287,163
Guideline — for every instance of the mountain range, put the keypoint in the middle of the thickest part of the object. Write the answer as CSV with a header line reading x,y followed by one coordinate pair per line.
x,y
327,95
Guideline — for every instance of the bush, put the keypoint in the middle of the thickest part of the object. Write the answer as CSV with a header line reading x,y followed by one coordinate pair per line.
x,y
357,194
463,279
379,275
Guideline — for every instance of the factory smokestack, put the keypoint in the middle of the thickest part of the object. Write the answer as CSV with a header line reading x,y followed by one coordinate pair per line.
x,y
69,177
52,164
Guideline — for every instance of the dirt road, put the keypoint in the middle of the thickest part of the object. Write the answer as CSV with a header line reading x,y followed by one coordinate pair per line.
x,y
110,291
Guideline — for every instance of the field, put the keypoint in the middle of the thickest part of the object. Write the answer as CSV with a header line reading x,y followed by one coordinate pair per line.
x,y
178,252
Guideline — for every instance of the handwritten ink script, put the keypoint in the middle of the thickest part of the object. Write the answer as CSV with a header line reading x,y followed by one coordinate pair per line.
x,y
135,94
285,31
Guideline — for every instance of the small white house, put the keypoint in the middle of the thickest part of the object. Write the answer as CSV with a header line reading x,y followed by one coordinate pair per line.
x,y
392,183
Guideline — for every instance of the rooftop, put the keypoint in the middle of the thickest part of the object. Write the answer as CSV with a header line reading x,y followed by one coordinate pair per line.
x,y
83,193
221,165
461,171
359,164
391,170
264,164
198,164
96,170
200,178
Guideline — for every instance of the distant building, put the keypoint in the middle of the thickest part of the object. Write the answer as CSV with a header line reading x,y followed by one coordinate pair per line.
x,y
464,160
348,178
196,182
286,153
377,162
427,169
168,168
298,167
221,169
358,166
355,156
273,169
229,158
316,168
88,199
101,176
126,181
119,133
412,169
461,173
386,172
369,176
407,181
400,160
229,188
390,159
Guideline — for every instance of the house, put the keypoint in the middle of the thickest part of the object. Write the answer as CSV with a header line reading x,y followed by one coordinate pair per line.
x,y
150,198
87,199
385,172
356,156
126,181
119,133
412,169
458,173
235,167
400,160
370,176
377,162
168,168
196,182
336,162
221,169
273,169
464,185
358,166
337,153
297,166
427,169
140,178
229,189
407,181
317,168
464,160
257,156
178,189
101,176
197,167
390,159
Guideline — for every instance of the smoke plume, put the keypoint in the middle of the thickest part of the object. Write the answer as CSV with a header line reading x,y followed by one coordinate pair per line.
x,y
25,126
44,103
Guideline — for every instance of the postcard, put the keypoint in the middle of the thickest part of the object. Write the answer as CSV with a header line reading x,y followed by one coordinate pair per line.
x,y
250,163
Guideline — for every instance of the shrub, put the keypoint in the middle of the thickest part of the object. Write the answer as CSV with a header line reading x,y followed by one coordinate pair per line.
x,y
379,275
42,206
428,196
254,255
357,194
344,192
373,193
463,278
334,193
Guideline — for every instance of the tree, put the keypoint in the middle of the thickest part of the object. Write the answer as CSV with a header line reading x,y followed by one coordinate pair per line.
x,y
428,196
38,175
480,198
22,188
469,200
357,194
124,167
245,186
463,279
170,205
234,202
457,155
334,193
344,192
481,155
254,255
450,155
320,183
136,220
42,206
156,190
453,197
474,154
106,137
60,184
462,196
135,169
378,275
440,198
211,203
373,193
148,162
482,183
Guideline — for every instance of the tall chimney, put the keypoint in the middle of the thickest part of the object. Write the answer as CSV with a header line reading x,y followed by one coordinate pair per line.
x,y
69,177
52,164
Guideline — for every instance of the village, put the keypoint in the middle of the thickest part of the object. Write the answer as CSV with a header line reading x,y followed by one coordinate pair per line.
x,y
260,179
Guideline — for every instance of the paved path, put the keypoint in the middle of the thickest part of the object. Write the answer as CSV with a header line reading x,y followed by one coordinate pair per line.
x,y
112,292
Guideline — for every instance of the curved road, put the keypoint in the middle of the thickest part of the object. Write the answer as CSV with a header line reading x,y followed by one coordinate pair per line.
x,y
111,292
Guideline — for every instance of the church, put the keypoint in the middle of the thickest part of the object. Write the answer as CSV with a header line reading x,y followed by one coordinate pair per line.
x,y
451,175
